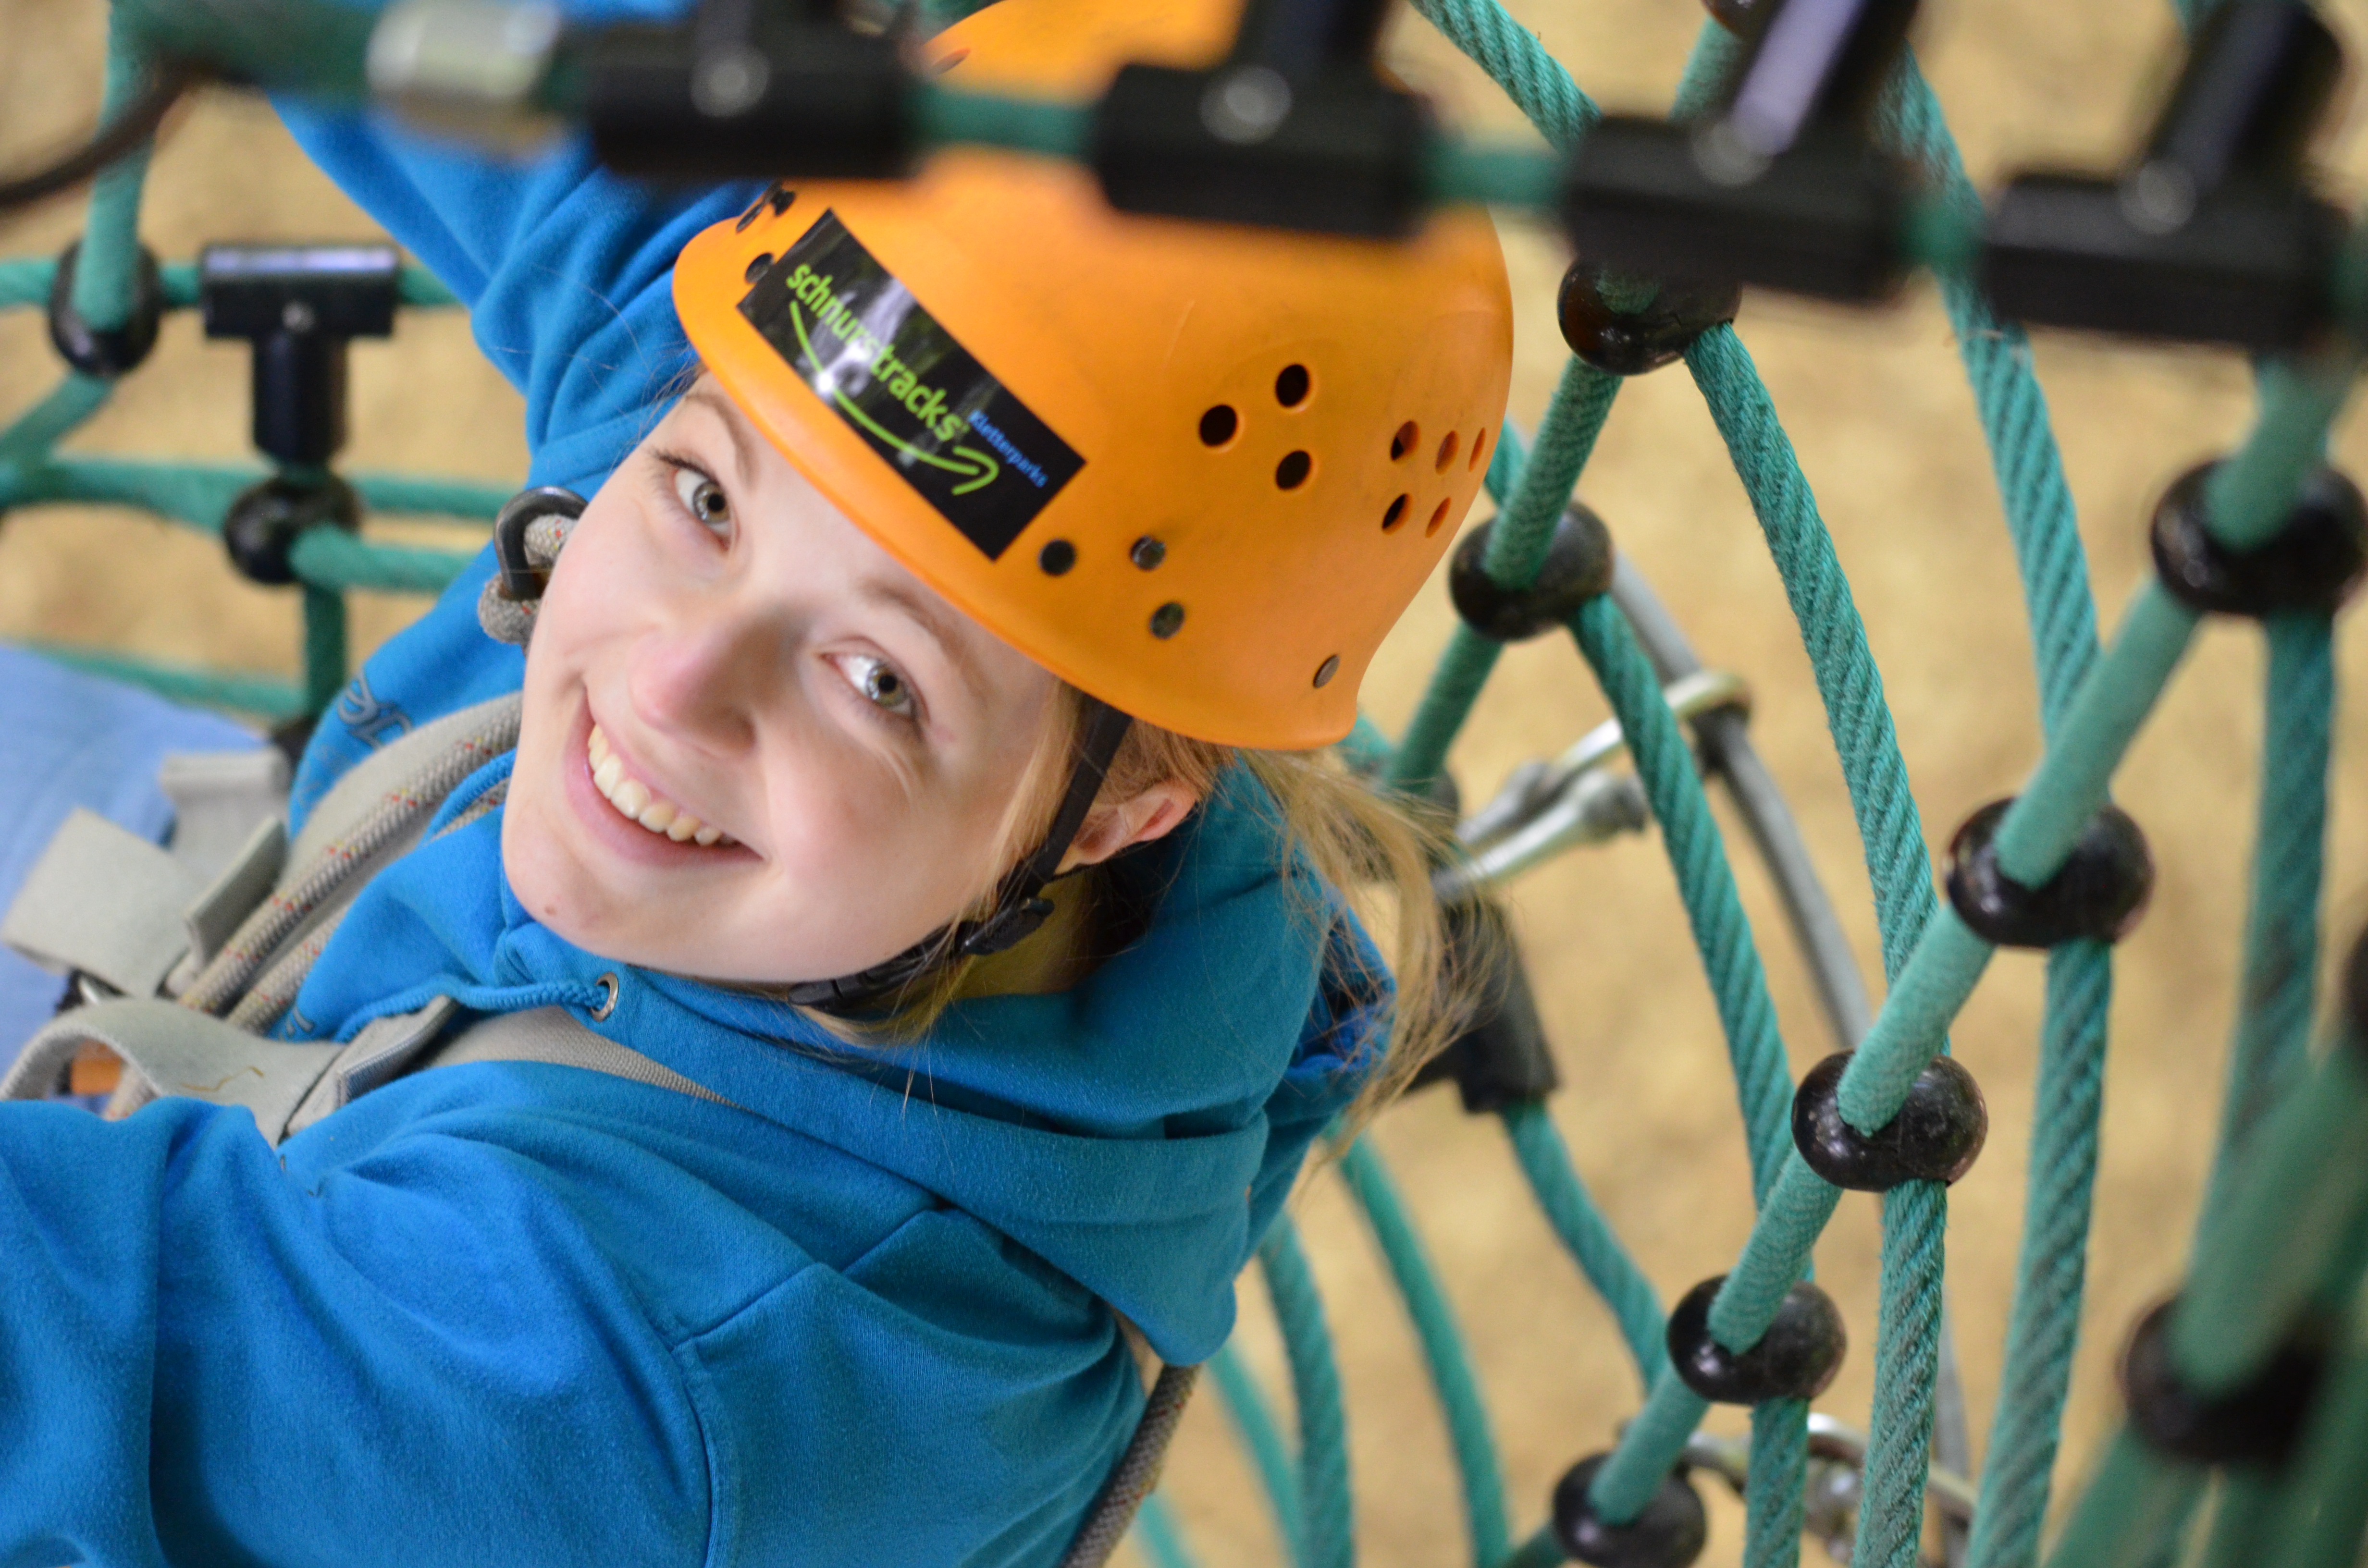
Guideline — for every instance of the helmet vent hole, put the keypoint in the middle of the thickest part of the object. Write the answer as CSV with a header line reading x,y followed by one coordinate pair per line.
x,y
1447,446
1056,557
1218,425
757,264
1479,445
1404,441
1292,386
1438,518
1293,470
1395,516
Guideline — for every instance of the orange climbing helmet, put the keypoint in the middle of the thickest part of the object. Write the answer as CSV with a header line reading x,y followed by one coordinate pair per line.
x,y
1197,472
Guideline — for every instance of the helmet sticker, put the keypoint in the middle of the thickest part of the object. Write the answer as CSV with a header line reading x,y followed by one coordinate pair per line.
x,y
863,345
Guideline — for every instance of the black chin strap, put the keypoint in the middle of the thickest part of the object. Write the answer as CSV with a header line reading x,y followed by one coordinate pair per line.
x,y
1019,906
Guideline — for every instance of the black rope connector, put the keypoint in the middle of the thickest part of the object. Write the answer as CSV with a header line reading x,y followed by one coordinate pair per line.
x,y
2256,1423
2099,891
298,306
106,352
1795,1358
1295,128
1780,184
1501,1058
1939,1131
2210,235
1577,568
2355,994
1629,340
745,91
262,527
1669,1532
2312,562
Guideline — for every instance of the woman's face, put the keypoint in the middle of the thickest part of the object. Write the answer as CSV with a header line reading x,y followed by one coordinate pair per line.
x,y
755,747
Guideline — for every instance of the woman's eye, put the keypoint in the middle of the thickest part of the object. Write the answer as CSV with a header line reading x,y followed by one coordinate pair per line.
x,y
703,498
878,682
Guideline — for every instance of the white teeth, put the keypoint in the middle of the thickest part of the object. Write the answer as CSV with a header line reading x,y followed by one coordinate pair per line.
x,y
640,803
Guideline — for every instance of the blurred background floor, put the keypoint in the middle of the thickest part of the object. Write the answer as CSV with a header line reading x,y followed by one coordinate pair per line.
x,y
1886,429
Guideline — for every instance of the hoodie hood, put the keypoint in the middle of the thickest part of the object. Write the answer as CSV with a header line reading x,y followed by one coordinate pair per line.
x,y
1137,1131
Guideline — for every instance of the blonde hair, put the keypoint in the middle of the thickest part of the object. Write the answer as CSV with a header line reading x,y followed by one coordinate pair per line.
x,y
1377,851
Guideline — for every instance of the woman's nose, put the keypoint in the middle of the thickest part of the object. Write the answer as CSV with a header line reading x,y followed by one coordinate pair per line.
x,y
703,676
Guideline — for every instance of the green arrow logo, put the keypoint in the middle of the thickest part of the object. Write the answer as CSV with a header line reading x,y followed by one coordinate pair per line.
x,y
979,471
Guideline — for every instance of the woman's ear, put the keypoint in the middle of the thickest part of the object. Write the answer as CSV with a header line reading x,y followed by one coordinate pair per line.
x,y
1122,824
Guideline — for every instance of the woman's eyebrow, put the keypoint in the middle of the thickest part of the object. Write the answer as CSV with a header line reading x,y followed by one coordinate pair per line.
x,y
743,462
933,618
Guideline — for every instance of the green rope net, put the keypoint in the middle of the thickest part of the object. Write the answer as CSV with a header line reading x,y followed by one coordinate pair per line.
x,y
2281,1244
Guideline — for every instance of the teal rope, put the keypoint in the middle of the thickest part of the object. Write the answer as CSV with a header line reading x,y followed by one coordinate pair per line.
x,y
1517,547
1514,59
324,644
22,444
2137,1501
2043,1330
1775,1488
1325,1496
2273,1021
2061,610
1543,1550
1689,836
1891,832
1738,985
1255,1425
1648,1448
1554,1181
106,265
1160,1536
1442,1349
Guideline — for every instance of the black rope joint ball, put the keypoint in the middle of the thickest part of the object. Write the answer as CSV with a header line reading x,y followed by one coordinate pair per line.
x,y
2099,891
1936,1135
262,527
106,352
2312,563
1577,568
1669,1532
2255,1423
1795,1358
1625,326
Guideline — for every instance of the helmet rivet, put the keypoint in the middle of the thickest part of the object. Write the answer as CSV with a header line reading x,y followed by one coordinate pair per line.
x,y
1056,557
1293,470
757,264
1147,552
1326,670
1218,424
1166,620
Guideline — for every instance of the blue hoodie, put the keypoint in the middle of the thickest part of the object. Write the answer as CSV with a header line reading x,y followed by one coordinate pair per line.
x,y
515,1313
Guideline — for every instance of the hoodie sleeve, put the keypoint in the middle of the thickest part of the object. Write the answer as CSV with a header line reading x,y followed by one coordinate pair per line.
x,y
566,270
202,1362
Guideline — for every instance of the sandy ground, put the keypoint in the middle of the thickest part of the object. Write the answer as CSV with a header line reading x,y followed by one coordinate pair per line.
x,y
1877,407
